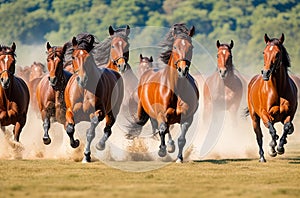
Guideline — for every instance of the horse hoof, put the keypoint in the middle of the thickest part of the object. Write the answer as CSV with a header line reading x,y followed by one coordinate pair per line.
x,y
179,161
272,154
263,160
280,150
162,151
100,146
75,144
46,140
171,146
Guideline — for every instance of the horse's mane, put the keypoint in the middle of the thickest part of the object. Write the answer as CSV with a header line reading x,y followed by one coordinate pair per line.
x,y
181,31
101,51
285,56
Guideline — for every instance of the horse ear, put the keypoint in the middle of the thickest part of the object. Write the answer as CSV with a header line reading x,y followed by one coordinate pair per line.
x,y
192,31
13,47
74,41
48,46
218,44
281,38
151,59
231,44
65,47
111,30
127,30
267,39
141,57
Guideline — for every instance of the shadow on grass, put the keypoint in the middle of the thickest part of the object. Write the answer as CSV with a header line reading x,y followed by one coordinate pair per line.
x,y
222,161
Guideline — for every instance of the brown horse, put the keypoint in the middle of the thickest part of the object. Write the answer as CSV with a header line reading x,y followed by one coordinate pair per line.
x,y
14,93
145,64
113,53
50,90
92,94
272,96
223,90
170,95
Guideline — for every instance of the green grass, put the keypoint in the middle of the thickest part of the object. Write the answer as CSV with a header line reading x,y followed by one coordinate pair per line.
x,y
279,177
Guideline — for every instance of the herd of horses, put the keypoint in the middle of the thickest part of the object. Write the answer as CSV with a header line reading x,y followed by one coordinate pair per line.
x,y
88,80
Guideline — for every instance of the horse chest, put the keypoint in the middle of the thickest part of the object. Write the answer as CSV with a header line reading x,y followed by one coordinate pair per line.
x,y
9,113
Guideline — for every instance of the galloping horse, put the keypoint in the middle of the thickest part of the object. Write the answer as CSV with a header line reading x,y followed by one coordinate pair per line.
x,y
272,96
92,94
50,90
14,93
113,53
145,64
223,90
170,95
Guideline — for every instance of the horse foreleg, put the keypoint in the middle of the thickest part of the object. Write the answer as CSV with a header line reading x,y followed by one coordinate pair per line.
x,y
259,136
90,135
273,143
46,126
110,120
181,140
70,128
288,129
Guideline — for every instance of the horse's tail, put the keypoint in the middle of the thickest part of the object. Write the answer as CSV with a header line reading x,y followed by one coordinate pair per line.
x,y
245,113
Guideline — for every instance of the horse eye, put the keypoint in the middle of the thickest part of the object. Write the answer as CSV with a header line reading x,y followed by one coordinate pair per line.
x,y
175,47
112,46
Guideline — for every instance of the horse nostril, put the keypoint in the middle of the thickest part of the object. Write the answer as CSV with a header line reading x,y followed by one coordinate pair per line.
x,y
1,79
78,79
179,69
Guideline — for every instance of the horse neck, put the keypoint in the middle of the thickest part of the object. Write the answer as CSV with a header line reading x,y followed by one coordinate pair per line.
x,y
171,73
281,77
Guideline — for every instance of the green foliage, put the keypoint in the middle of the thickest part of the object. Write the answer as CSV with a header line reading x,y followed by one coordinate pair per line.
x,y
245,22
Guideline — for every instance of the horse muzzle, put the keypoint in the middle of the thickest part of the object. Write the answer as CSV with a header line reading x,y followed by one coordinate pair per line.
x,y
82,81
266,74
122,67
52,80
183,72
5,82
223,73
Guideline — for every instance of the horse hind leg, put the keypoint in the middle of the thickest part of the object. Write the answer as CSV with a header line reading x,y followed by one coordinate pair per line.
x,y
110,120
288,129
171,144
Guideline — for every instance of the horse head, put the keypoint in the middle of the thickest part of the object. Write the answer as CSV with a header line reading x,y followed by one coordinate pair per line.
x,y
224,57
55,60
145,64
80,57
182,51
7,64
272,55
119,48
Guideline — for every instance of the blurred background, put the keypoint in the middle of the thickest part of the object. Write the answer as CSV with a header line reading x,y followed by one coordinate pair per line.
x,y
31,23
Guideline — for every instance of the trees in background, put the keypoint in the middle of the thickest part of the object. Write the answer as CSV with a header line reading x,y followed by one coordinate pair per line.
x,y
245,22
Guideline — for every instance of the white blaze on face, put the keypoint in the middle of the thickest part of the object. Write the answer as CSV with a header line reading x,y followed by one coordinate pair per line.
x,y
183,42
81,52
120,43
271,48
224,52
5,60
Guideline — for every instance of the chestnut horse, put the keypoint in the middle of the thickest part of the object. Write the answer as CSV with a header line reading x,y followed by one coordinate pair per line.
x,y
14,93
223,90
170,95
145,64
272,96
92,94
113,53
50,90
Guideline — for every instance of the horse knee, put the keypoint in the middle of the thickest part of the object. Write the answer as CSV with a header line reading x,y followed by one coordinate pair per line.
x,y
289,128
90,135
70,129
181,142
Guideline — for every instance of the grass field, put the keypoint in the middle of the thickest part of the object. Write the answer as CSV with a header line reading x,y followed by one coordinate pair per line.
x,y
279,177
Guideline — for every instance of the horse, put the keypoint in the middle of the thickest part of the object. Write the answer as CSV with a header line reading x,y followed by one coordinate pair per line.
x,y
170,95
223,90
145,64
14,93
91,94
272,96
50,90
113,53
